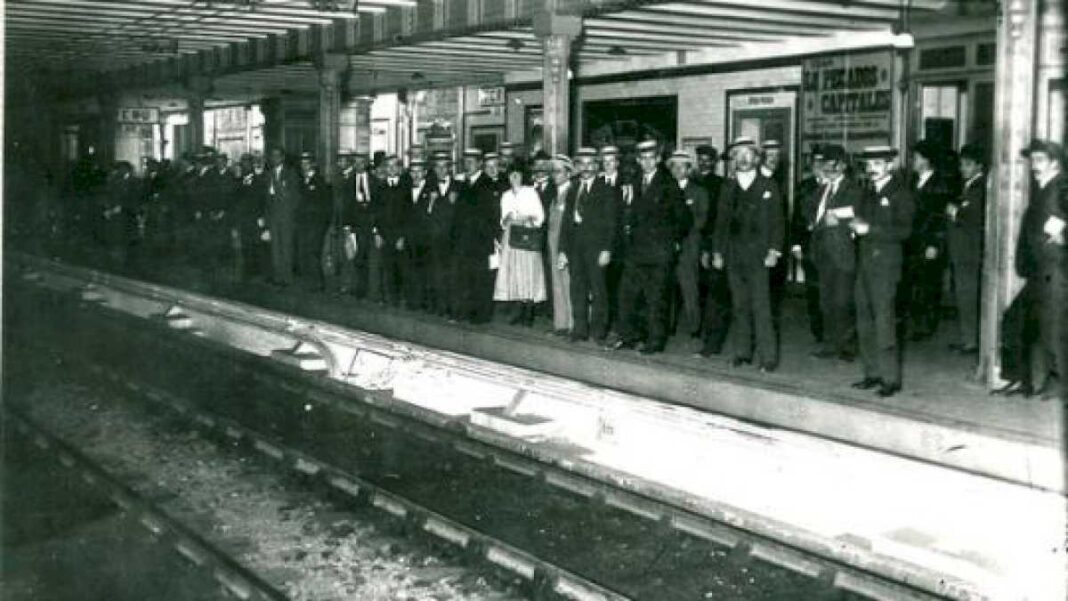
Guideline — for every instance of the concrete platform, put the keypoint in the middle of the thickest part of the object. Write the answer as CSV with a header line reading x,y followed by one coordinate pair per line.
x,y
941,528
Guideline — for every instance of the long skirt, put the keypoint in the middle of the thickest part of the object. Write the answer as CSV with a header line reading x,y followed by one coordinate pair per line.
x,y
520,275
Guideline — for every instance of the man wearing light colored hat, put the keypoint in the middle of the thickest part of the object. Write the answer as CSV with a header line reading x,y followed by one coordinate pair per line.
x,y
476,222
587,238
623,192
881,225
507,153
747,242
391,205
656,224
680,164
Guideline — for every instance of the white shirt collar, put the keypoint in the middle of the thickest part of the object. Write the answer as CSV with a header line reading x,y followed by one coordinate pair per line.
x,y
923,178
683,182
881,182
474,177
1043,181
973,179
745,178
767,172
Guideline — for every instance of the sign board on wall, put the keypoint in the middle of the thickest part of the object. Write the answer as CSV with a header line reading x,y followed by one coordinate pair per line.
x,y
138,115
848,99
491,96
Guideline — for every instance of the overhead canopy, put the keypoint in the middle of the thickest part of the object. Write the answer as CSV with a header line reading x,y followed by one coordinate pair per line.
x,y
264,46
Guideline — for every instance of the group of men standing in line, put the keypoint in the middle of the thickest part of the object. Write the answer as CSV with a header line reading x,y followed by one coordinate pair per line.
x,y
874,246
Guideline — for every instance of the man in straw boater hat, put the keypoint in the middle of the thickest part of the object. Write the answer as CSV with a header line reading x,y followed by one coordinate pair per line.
x,y
438,220
586,242
687,270
657,222
474,230
882,223
749,235
826,216
1042,259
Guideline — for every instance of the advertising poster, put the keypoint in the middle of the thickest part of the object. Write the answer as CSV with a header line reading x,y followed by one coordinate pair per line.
x,y
848,99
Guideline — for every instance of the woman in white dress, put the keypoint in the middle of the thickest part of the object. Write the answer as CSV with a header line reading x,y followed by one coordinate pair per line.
x,y
520,275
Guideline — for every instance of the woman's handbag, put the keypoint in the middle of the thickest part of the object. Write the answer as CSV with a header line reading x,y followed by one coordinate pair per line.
x,y
521,237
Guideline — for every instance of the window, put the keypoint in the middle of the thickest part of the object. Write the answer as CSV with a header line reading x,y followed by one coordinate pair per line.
x,y
948,57
943,108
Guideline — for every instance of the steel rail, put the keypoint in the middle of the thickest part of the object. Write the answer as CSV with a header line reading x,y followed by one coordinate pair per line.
x,y
235,578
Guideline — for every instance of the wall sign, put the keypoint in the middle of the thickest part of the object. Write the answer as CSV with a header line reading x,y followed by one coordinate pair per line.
x,y
138,115
848,99
491,96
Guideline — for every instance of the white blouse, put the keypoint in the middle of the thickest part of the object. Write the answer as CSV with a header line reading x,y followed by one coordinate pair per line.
x,y
520,206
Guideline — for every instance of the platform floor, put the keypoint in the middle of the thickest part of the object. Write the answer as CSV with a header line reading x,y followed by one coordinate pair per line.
x,y
939,386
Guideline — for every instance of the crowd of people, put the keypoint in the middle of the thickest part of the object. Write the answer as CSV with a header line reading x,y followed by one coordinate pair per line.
x,y
622,252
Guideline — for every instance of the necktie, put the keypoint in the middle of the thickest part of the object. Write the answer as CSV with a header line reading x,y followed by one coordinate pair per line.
x,y
579,198
828,191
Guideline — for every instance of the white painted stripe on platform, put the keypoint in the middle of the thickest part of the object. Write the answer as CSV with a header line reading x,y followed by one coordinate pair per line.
x,y
624,502
469,450
871,589
234,433
787,558
269,449
152,524
382,420
205,419
704,529
526,469
190,551
307,467
121,500
571,589
66,459
571,484
345,485
387,503
237,586
446,531
511,562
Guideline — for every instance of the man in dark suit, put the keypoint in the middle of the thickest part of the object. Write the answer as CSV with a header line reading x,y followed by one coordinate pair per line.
x,y
926,249
809,190
283,197
340,275
966,217
826,216
882,224
716,319
391,203
1042,259
750,232
313,219
249,222
475,225
688,268
610,174
546,189
587,237
437,224
656,224
415,265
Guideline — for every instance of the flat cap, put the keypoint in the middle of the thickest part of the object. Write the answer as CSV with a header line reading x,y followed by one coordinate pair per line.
x,y
833,152
927,149
1048,147
707,150
973,152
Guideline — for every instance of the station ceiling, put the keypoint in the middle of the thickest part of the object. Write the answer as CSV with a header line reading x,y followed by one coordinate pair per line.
x,y
259,47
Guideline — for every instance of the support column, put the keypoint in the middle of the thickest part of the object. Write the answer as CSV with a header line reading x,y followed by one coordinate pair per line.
x,y
556,33
1010,179
109,126
361,106
332,70
197,91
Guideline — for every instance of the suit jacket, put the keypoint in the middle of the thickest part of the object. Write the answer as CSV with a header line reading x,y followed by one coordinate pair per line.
x,y
799,233
929,226
750,222
438,215
1035,255
284,193
890,214
965,232
657,221
599,214
251,197
392,209
832,244
317,203
476,220
696,196
420,222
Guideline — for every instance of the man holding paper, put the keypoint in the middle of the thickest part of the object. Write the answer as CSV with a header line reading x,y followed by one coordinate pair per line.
x,y
828,215
1042,254
882,222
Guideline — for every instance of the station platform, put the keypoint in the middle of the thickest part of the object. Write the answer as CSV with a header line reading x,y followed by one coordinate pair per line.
x,y
943,415
961,531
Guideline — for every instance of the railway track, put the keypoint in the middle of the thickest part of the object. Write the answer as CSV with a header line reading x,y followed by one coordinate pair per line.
x,y
300,395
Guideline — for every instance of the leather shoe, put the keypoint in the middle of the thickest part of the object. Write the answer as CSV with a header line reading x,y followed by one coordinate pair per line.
x,y
740,361
888,390
621,345
767,368
867,383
